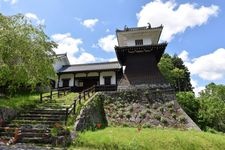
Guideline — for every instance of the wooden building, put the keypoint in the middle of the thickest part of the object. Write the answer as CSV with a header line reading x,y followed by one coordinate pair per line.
x,y
138,53
82,76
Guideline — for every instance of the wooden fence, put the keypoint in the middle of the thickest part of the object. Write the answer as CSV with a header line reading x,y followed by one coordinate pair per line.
x,y
52,92
84,95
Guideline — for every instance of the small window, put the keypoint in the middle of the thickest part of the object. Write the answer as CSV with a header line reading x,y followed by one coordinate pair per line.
x,y
139,42
107,80
66,82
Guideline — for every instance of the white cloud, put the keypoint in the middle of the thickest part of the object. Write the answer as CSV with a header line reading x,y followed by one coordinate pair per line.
x,y
12,2
66,43
71,46
197,88
108,43
175,18
83,58
208,67
33,17
90,23
184,55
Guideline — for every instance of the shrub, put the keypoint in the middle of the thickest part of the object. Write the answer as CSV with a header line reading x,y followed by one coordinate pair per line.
x,y
120,114
163,120
182,119
143,113
130,108
189,103
171,110
170,105
148,111
128,115
157,117
174,116
147,125
161,109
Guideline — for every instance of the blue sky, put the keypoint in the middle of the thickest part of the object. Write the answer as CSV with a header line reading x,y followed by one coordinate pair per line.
x,y
85,29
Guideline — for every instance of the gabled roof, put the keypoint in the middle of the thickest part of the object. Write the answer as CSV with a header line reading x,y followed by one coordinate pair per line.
x,y
64,57
126,29
61,55
90,67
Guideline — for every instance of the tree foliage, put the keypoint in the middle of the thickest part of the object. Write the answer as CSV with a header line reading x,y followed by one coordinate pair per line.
x,y
212,107
207,110
175,72
189,103
25,53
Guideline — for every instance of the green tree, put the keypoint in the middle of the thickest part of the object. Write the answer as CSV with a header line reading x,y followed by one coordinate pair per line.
x,y
25,53
183,79
212,107
175,72
189,104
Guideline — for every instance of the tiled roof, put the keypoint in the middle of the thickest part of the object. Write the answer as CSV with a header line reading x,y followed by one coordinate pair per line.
x,y
90,67
139,28
61,55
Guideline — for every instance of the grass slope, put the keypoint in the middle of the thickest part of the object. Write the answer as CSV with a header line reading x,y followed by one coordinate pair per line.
x,y
19,102
156,139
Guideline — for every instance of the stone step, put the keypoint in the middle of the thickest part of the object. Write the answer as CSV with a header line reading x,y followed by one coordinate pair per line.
x,y
6,137
58,112
35,134
10,134
42,115
38,140
41,118
33,122
47,126
35,130
7,129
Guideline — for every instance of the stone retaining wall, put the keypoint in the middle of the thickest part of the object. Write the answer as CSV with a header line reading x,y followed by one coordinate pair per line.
x,y
6,114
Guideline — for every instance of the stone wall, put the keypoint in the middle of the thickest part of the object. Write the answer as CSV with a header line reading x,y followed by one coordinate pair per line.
x,y
92,115
7,114
146,108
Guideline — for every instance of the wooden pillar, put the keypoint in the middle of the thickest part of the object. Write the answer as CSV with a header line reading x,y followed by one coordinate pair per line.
x,y
99,73
74,77
116,73
41,97
58,80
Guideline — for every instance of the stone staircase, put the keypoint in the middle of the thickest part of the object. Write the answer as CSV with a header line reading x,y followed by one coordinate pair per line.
x,y
33,126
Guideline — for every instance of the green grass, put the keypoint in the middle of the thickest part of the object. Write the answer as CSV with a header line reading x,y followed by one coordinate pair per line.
x,y
19,101
23,101
66,100
155,139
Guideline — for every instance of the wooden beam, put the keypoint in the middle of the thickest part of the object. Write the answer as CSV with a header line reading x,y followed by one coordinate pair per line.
x,y
58,80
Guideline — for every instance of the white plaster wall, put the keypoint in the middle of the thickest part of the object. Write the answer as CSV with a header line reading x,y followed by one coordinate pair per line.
x,y
66,76
76,82
108,73
131,40
92,74
80,75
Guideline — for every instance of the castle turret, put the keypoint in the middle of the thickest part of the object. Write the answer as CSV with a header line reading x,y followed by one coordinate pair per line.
x,y
139,52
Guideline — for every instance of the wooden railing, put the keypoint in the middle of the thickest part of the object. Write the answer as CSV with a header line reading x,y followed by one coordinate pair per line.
x,y
84,95
112,87
51,93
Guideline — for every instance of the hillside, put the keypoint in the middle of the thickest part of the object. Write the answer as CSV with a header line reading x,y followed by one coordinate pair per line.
x,y
148,138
